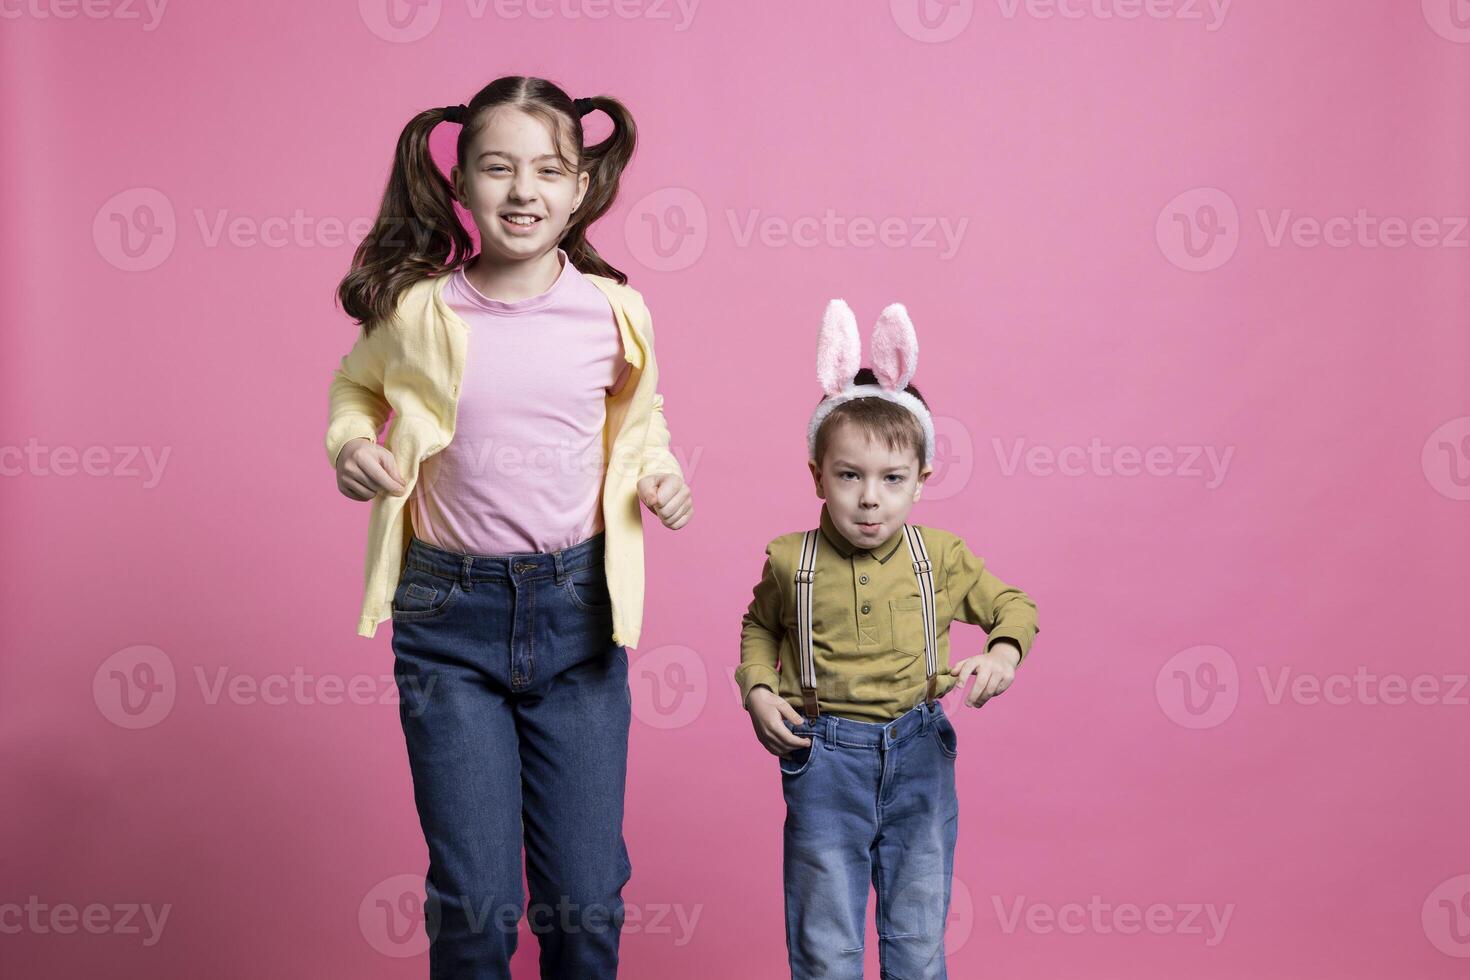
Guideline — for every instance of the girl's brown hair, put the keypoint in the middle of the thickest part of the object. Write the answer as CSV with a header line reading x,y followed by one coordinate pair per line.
x,y
418,233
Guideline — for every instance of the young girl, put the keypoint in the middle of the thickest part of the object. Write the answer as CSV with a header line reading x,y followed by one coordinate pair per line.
x,y
505,541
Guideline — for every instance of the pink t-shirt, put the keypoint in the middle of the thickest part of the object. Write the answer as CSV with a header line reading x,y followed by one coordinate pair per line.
x,y
524,470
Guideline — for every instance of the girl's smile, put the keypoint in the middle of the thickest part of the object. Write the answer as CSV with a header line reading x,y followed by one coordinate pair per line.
x,y
520,222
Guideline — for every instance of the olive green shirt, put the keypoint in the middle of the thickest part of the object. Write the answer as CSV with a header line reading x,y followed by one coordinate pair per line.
x,y
867,628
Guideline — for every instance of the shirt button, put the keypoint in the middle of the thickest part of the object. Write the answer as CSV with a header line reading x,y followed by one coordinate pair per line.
x,y
867,609
863,579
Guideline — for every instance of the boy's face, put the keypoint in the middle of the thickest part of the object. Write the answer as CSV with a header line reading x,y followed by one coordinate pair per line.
x,y
869,488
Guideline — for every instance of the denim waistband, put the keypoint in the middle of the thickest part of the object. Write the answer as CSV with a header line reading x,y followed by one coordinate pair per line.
x,y
521,566
871,734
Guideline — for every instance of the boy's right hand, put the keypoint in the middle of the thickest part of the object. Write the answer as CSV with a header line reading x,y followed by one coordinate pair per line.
x,y
768,714
366,469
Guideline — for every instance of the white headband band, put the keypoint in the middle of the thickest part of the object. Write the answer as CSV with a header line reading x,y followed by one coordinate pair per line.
x,y
903,398
895,350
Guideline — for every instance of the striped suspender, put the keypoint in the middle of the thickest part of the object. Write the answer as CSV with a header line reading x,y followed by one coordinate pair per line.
x,y
806,572
925,574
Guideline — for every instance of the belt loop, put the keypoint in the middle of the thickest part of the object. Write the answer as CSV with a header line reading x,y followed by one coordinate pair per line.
x,y
465,581
561,569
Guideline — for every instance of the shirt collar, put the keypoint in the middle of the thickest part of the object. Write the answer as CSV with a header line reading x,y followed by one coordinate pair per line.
x,y
846,550
469,296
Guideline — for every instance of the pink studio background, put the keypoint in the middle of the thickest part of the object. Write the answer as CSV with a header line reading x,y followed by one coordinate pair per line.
x,y
1147,802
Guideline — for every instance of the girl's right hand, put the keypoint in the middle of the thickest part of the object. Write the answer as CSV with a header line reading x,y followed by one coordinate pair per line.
x,y
366,469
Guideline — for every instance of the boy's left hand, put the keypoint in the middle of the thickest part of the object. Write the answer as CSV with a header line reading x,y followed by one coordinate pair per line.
x,y
668,497
994,671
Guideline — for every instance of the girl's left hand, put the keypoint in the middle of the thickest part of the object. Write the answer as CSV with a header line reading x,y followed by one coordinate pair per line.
x,y
668,496
994,671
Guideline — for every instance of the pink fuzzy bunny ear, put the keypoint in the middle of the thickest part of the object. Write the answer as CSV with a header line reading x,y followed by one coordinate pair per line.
x,y
895,348
839,351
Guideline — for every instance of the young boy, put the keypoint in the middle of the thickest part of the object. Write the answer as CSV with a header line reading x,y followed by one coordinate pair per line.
x,y
844,655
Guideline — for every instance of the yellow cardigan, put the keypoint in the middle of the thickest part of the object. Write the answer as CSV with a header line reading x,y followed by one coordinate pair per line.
x,y
413,364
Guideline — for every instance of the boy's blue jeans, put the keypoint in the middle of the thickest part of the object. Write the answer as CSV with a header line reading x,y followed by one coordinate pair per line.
x,y
515,709
870,803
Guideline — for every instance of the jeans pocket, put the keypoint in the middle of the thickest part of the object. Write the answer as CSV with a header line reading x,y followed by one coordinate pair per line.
x,y
949,739
587,588
800,760
422,595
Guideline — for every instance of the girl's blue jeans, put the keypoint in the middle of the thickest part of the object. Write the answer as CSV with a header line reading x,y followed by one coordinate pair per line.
x,y
870,803
515,709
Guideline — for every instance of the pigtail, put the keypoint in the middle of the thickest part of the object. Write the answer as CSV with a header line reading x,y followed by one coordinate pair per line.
x,y
604,163
417,232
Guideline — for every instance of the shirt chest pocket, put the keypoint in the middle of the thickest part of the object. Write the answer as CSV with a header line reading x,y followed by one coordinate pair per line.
x,y
907,620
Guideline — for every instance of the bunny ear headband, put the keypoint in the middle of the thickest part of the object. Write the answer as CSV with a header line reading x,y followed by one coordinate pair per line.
x,y
895,356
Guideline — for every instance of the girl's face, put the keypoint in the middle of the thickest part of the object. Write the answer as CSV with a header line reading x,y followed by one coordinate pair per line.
x,y
517,188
